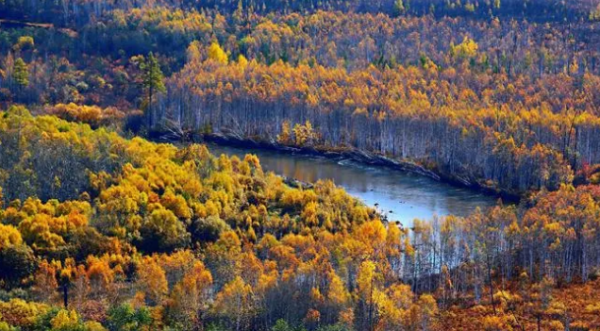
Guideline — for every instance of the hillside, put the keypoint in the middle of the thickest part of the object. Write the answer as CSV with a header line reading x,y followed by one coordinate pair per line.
x,y
189,241
492,99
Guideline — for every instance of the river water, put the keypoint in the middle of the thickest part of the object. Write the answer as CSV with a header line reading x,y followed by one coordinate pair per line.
x,y
402,196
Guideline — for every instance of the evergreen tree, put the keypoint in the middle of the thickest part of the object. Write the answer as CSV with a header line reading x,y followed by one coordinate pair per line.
x,y
152,82
399,7
20,75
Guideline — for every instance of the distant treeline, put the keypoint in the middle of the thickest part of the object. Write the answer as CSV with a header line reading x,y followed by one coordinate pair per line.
x,y
64,12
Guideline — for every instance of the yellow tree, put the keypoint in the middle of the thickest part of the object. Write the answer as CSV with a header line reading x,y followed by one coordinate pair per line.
x,y
235,303
338,297
190,296
152,281
369,284
286,132
216,53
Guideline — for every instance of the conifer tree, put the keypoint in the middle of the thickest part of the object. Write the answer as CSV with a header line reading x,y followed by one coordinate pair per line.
x,y
152,82
20,75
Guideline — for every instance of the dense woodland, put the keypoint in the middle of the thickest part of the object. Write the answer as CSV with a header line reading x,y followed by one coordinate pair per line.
x,y
101,229
503,103
132,235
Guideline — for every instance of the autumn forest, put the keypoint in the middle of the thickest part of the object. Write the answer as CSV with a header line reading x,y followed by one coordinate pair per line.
x,y
115,215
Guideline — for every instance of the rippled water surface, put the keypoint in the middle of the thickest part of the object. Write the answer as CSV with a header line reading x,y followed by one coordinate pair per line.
x,y
403,196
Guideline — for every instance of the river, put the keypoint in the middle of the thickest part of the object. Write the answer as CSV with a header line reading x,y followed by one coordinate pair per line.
x,y
402,196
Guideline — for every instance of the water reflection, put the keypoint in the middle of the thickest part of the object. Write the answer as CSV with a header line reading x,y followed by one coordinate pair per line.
x,y
403,196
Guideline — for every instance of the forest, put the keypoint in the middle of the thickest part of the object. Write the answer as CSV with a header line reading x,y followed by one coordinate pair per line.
x,y
105,226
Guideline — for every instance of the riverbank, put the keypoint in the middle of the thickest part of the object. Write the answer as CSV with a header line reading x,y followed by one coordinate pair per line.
x,y
339,154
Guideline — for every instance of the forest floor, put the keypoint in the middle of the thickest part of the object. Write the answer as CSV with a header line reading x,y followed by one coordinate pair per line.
x,y
575,305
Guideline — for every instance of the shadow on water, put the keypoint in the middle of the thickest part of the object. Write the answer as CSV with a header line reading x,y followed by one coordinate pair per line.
x,y
403,196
